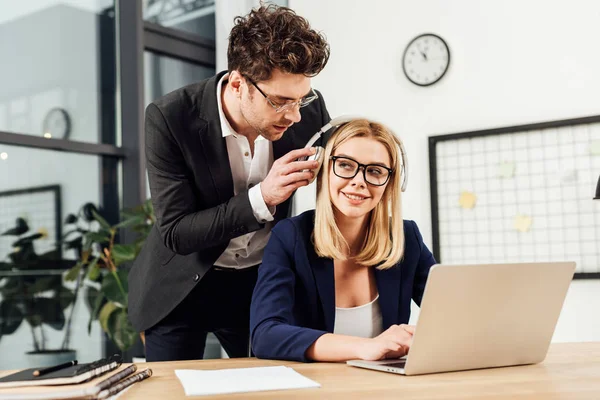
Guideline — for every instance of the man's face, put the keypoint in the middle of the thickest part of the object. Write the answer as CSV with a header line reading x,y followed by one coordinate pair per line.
x,y
282,88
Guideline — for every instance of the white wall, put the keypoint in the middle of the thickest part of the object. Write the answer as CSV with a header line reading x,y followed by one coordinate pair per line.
x,y
512,62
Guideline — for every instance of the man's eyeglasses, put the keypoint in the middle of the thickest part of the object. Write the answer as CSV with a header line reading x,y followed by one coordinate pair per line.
x,y
303,102
347,168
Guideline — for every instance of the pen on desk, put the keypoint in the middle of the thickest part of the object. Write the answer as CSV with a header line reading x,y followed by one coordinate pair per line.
x,y
43,371
125,383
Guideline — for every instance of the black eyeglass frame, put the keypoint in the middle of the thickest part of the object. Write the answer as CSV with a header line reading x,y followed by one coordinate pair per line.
x,y
279,108
364,168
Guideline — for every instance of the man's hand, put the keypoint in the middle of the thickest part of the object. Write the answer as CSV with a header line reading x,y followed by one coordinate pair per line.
x,y
287,175
393,343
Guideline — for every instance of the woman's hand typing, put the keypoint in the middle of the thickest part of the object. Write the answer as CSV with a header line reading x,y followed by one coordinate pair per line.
x,y
395,342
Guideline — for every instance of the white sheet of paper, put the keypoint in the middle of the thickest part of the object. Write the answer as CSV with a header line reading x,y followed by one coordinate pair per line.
x,y
239,380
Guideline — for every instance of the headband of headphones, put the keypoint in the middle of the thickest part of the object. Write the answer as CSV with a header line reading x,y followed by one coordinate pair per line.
x,y
335,122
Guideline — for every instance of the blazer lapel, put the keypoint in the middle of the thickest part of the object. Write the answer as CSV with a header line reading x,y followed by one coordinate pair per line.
x,y
215,152
388,284
214,145
323,271
288,142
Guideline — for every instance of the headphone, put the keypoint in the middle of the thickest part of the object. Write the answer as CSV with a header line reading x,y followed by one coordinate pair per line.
x,y
335,123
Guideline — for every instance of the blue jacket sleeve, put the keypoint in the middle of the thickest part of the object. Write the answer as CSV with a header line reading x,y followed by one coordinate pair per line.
x,y
273,331
425,262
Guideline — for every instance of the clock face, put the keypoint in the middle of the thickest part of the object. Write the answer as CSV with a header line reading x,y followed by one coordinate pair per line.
x,y
426,59
57,124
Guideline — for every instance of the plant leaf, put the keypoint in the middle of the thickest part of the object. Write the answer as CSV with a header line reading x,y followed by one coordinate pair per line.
x,y
50,312
100,236
112,290
44,283
120,330
123,252
14,285
100,220
73,273
132,220
6,266
11,317
94,270
104,315
65,297
96,300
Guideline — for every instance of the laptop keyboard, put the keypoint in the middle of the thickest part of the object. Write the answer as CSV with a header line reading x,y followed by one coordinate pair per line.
x,y
399,364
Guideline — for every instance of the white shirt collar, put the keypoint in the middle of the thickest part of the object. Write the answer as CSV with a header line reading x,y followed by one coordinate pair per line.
x,y
226,128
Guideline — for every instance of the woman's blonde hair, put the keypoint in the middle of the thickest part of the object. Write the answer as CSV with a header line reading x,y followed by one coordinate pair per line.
x,y
383,245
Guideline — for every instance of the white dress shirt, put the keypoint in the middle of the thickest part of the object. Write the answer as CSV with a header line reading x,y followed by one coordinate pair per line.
x,y
247,171
362,321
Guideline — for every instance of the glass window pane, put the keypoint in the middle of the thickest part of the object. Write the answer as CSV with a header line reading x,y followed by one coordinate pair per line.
x,y
193,16
165,74
58,78
38,189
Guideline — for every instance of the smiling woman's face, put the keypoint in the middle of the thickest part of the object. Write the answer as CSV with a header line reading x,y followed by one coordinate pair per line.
x,y
355,198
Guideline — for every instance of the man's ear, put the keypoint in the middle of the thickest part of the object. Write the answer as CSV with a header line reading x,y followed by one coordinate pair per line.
x,y
236,80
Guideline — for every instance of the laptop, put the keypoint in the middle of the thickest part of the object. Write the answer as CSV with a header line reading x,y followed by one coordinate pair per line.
x,y
483,316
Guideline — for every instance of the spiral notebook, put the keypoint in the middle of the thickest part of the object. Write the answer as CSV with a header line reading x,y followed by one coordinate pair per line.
x,y
100,387
66,376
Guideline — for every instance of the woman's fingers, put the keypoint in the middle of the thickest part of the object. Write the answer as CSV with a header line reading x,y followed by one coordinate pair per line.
x,y
408,328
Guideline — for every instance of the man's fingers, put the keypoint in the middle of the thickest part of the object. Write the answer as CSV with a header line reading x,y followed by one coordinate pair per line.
x,y
294,154
298,166
296,177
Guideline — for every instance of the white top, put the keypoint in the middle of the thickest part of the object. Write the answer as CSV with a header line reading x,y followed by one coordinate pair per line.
x,y
362,321
247,172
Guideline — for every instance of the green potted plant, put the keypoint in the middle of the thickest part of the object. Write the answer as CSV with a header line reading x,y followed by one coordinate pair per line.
x,y
103,264
32,291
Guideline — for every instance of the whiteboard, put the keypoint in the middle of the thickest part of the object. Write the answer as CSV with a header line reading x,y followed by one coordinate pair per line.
x,y
518,194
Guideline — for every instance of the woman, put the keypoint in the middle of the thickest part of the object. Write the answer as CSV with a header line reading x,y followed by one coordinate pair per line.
x,y
336,283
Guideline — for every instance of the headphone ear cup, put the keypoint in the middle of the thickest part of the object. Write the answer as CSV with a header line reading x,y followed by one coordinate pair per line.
x,y
318,156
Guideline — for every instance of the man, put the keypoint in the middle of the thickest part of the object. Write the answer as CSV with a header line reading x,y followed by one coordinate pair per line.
x,y
221,158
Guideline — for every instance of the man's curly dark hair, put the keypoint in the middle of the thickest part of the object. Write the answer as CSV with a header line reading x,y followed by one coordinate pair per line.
x,y
275,37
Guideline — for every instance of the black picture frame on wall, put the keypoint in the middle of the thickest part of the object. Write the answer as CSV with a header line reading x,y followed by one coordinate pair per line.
x,y
433,170
48,200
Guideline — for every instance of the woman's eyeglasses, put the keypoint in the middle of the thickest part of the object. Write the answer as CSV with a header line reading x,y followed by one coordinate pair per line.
x,y
347,168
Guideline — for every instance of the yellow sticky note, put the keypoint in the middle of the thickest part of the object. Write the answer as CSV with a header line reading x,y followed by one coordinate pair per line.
x,y
522,223
467,200
595,148
44,232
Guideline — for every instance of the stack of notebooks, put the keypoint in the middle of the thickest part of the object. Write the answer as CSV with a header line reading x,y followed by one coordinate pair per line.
x,y
97,380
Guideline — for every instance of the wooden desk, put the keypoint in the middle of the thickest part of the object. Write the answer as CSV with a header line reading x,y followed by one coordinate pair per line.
x,y
570,371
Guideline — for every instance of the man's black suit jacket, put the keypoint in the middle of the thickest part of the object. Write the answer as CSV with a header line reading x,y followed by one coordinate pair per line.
x,y
192,193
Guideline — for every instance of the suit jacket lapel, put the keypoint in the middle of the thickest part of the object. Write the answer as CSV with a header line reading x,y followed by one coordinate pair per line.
x,y
215,152
388,284
287,143
323,271
214,145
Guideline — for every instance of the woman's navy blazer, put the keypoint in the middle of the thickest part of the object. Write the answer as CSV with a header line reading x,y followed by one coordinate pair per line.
x,y
293,303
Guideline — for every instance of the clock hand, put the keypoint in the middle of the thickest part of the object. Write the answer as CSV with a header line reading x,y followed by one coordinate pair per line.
x,y
422,52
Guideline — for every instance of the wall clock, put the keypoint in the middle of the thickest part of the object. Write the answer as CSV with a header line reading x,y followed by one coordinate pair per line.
x,y
57,124
426,59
